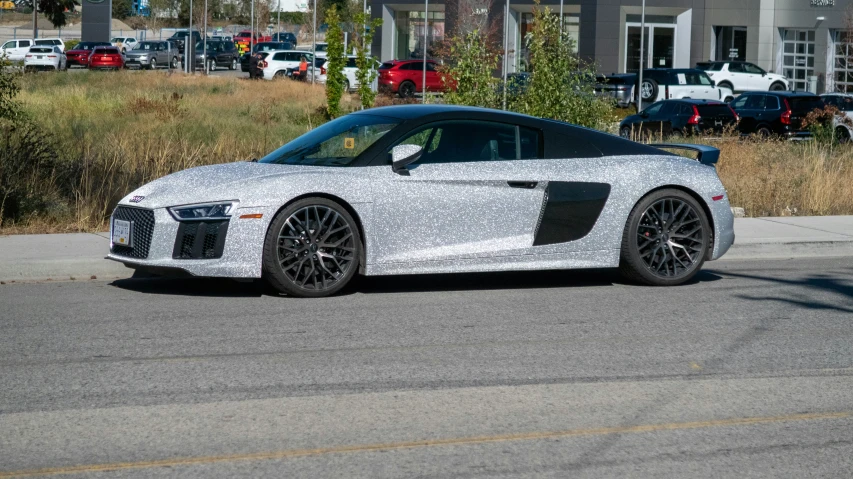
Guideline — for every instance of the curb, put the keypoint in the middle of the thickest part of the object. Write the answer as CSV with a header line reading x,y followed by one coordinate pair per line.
x,y
788,250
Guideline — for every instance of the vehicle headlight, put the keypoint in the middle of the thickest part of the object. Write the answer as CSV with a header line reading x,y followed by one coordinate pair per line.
x,y
207,211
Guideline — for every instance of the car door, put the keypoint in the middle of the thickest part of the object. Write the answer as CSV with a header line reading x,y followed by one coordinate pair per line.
x,y
433,78
755,78
649,122
739,79
465,197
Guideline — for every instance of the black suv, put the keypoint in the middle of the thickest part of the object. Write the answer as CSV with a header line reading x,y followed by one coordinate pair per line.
x,y
284,37
180,37
674,118
770,113
219,54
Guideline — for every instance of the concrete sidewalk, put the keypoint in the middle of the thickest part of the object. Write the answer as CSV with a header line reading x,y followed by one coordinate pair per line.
x,y
81,255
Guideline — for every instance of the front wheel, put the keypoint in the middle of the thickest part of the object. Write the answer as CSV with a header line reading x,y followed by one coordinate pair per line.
x,y
211,65
175,63
842,135
778,86
312,249
153,64
666,239
233,64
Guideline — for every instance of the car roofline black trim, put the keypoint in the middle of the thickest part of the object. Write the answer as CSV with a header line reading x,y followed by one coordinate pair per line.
x,y
708,155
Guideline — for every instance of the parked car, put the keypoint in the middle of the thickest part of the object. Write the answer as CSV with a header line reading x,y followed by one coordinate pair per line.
x,y
151,54
405,77
777,113
263,47
285,37
281,63
124,43
106,58
218,54
844,125
322,49
179,38
15,50
678,118
47,57
50,42
244,40
79,55
672,83
743,76
619,86
350,69
222,38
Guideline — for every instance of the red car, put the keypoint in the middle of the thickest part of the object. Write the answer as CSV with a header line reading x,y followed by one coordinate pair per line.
x,y
79,55
109,58
405,77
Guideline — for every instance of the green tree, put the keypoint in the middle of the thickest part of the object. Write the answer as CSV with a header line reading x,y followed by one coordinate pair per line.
x,y
335,55
121,9
561,85
56,10
473,59
9,88
362,41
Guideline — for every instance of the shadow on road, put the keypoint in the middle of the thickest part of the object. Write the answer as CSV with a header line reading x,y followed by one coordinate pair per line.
x,y
214,287
807,291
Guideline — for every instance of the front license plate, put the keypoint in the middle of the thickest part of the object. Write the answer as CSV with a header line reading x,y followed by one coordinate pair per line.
x,y
121,233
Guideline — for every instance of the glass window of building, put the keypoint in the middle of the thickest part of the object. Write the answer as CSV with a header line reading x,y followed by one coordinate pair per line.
x,y
843,65
798,48
731,43
571,25
410,34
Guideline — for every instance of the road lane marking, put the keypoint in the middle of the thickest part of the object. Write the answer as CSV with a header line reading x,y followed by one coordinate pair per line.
x,y
188,461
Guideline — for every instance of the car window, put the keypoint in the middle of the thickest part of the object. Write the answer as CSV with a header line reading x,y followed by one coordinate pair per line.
x,y
351,63
831,100
686,109
771,103
653,109
668,108
529,143
469,141
24,43
697,78
740,102
9,44
750,68
430,67
280,57
756,102
845,103
736,67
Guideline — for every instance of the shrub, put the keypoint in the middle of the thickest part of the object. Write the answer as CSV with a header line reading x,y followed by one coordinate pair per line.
x,y
335,55
469,75
70,44
822,123
366,73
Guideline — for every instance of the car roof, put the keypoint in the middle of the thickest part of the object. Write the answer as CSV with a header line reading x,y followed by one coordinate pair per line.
x,y
784,93
407,112
674,70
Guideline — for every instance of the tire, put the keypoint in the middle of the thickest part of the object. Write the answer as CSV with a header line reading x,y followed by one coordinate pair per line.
x,y
233,65
725,84
685,246
211,65
842,135
346,86
406,90
153,64
280,74
728,99
778,86
764,131
675,134
314,233
649,90
175,63
625,132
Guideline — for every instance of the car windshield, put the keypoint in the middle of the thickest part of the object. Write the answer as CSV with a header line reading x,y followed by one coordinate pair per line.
x,y
41,50
145,46
336,143
322,47
805,104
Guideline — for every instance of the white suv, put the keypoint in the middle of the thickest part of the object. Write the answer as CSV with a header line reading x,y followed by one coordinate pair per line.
x,y
673,83
14,50
350,70
743,76
50,42
279,63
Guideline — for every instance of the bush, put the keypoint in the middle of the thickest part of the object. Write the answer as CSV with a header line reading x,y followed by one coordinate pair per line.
x,y
469,77
335,55
70,44
366,73
822,123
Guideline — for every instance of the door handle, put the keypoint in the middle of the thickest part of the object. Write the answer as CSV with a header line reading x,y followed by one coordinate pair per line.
x,y
527,185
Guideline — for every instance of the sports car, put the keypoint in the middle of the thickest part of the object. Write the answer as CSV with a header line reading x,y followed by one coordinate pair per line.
x,y
432,189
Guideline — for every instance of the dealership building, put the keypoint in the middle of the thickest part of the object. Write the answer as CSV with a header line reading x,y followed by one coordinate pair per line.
x,y
796,38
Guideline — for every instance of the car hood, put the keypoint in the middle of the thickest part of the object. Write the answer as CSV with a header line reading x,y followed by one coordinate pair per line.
x,y
774,77
228,181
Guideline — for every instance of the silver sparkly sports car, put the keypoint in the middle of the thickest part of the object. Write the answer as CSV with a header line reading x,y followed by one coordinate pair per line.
x,y
432,189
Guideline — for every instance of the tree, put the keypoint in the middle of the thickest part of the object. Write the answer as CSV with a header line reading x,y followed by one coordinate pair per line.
x,y
56,10
362,41
121,9
560,85
335,78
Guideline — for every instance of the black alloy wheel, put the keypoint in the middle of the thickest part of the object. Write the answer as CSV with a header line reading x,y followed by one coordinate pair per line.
x,y
666,239
625,132
407,89
312,249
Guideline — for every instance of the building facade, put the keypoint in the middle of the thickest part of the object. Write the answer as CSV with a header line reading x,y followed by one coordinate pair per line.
x,y
797,38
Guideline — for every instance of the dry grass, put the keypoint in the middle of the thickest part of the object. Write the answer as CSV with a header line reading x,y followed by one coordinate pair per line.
x,y
114,132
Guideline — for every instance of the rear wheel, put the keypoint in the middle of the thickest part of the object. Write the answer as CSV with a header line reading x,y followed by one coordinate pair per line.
x,y
725,84
625,132
666,239
175,63
649,90
407,89
778,86
346,86
764,131
211,65
153,64
842,135
312,249
233,64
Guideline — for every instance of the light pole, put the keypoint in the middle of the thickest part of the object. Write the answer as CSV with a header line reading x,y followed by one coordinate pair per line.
x,y
278,29
314,46
204,42
561,18
642,47
506,49
189,48
426,30
252,29
36,20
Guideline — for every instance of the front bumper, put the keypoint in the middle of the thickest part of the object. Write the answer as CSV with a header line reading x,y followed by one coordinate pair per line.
x,y
137,62
242,250
724,226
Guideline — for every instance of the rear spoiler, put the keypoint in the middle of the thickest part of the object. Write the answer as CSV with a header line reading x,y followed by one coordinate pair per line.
x,y
707,155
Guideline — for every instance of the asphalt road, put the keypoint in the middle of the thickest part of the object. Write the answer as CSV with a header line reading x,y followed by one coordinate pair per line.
x,y
747,372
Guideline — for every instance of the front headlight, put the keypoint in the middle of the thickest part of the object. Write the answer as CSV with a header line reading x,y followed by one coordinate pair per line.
x,y
207,211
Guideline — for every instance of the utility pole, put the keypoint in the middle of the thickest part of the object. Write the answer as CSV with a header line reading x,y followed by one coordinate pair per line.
x,y
35,19
314,46
204,42
506,49
279,22
642,56
426,30
252,29
189,47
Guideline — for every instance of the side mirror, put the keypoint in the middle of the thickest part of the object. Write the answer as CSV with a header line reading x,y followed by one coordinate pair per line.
x,y
643,114
713,83
404,155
